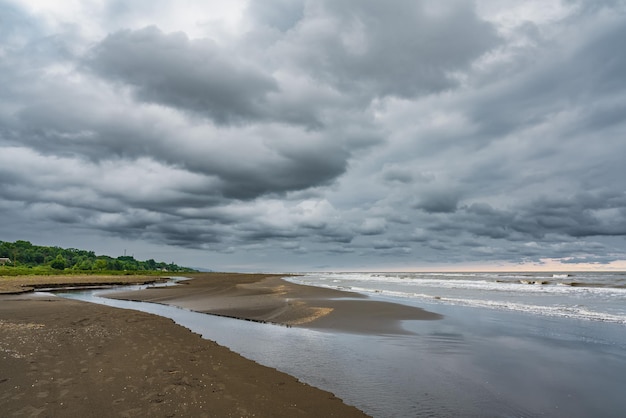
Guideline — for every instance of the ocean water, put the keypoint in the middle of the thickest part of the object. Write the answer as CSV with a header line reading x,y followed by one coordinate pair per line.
x,y
585,295
499,351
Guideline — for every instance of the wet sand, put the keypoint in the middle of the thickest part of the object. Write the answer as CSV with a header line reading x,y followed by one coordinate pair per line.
x,y
66,358
269,298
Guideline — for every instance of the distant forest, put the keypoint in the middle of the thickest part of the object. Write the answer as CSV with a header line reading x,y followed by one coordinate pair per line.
x,y
22,255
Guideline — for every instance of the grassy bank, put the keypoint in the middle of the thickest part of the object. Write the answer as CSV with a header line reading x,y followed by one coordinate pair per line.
x,y
10,271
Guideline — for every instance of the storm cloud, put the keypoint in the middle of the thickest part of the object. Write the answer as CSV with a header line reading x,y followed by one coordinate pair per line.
x,y
170,69
298,135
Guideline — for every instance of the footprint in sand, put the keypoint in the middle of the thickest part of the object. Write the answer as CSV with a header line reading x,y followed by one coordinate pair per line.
x,y
30,411
61,381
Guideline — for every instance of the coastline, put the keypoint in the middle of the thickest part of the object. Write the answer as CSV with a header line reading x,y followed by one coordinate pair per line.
x,y
471,361
60,357
270,298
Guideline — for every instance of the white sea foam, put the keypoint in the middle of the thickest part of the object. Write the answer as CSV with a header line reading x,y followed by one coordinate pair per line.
x,y
540,294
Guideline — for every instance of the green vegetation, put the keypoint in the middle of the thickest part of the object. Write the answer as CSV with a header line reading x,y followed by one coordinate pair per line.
x,y
28,259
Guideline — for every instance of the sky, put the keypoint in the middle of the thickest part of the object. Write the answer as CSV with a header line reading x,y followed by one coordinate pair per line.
x,y
297,135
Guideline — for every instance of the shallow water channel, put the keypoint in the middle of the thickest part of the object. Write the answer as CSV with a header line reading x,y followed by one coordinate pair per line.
x,y
474,362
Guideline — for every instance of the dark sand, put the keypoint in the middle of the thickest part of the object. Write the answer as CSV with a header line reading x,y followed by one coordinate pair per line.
x,y
64,358
269,298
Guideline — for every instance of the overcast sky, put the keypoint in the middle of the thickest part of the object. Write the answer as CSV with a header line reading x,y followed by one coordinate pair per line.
x,y
295,135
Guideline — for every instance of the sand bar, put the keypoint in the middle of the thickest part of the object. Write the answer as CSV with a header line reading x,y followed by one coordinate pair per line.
x,y
269,298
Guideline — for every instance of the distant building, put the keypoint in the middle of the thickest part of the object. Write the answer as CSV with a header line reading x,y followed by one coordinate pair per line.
x,y
3,261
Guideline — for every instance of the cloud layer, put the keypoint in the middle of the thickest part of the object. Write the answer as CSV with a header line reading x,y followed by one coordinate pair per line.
x,y
327,134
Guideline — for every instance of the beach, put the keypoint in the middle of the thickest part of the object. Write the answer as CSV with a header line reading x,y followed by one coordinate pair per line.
x,y
441,345
500,347
269,298
61,357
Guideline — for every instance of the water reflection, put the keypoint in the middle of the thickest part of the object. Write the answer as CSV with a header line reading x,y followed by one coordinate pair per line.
x,y
471,363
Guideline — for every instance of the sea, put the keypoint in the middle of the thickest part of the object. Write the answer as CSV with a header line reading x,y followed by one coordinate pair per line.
x,y
508,345
583,295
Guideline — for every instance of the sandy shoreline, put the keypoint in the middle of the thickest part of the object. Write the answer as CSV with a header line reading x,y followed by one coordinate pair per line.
x,y
269,298
62,357
66,358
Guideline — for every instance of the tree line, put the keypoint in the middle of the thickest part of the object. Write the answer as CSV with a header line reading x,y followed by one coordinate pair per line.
x,y
23,254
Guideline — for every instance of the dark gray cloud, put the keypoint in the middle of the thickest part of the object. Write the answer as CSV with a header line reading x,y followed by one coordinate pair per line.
x,y
317,133
566,75
241,164
393,48
172,70
277,14
440,201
